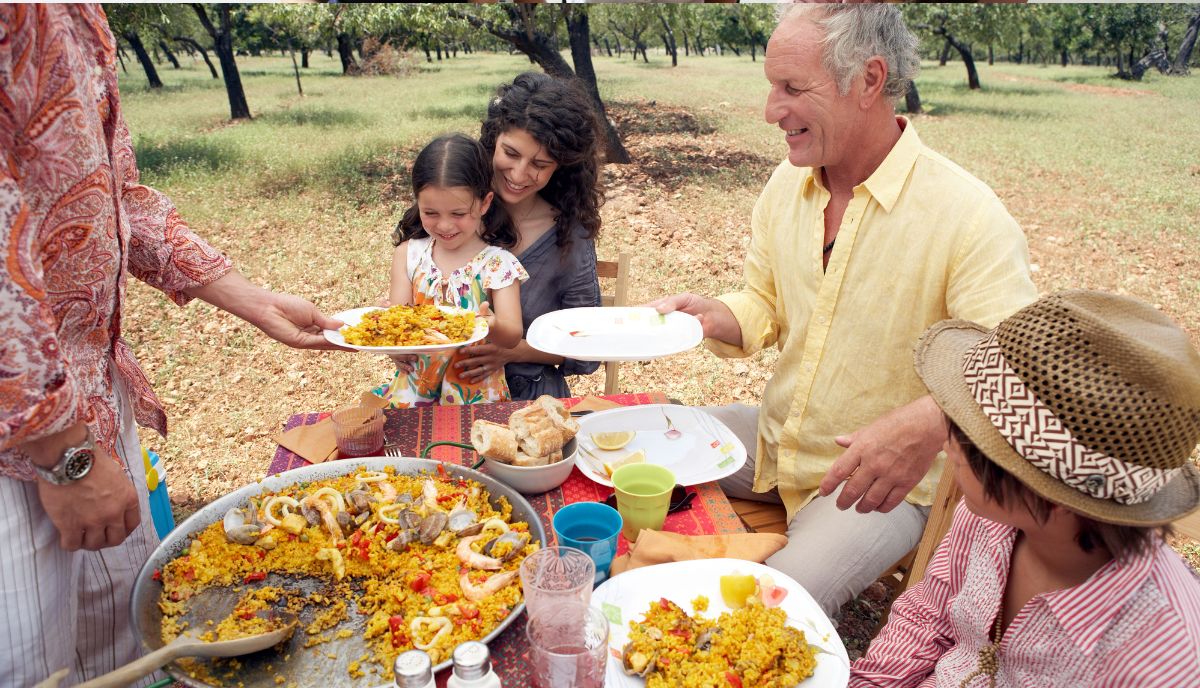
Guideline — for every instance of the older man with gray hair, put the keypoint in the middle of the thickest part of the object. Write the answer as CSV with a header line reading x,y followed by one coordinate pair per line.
x,y
862,239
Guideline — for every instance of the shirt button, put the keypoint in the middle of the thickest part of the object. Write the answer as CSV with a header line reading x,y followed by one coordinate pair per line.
x,y
808,367
822,320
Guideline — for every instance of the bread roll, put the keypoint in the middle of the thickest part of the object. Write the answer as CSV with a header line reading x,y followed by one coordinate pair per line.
x,y
494,441
526,461
544,441
529,421
553,406
555,457
568,428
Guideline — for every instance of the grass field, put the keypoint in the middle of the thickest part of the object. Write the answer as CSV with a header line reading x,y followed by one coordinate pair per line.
x,y
1097,171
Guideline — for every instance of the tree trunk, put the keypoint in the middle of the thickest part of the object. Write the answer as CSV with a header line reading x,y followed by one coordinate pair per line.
x,y
121,59
170,55
991,56
753,51
578,32
607,47
686,48
1156,58
1064,56
304,57
912,99
295,68
945,55
438,48
669,41
1180,66
223,45
143,57
964,51
200,49
345,48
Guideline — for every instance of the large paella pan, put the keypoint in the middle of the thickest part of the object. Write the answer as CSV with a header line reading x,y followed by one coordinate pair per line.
x,y
431,551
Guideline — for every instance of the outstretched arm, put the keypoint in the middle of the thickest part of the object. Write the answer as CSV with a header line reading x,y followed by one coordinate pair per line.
x,y
285,318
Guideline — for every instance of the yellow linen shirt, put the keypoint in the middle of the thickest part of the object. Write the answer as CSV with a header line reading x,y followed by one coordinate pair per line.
x,y
921,241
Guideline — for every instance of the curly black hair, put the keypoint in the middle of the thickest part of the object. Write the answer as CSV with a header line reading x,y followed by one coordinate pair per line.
x,y
449,161
558,114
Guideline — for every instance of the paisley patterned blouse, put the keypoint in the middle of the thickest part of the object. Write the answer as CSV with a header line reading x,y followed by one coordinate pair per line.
x,y
74,224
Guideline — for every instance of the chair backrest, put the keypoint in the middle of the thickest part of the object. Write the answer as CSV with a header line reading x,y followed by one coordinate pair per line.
x,y
1189,525
941,513
617,270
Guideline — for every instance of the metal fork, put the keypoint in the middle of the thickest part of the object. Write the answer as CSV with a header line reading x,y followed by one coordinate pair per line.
x,y
392,450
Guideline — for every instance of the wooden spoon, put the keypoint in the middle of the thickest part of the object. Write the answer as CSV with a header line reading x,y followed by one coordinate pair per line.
x,y
184,646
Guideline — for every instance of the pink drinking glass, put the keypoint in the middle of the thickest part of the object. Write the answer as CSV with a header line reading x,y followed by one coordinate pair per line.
x,y
568,646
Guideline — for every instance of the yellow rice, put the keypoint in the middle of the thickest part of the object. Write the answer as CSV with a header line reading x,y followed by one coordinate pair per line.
x,y
751,646
422,581
408,325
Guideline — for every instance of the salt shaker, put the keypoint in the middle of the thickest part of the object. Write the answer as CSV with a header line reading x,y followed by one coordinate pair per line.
x,y
472,667
414,669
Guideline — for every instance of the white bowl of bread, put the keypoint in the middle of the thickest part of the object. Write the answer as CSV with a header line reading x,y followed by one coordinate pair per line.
x,y
535,452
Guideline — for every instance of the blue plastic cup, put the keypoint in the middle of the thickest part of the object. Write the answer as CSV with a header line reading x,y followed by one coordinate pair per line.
x,y
592,528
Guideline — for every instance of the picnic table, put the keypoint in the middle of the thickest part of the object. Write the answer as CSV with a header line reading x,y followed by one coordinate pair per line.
x,y
412,430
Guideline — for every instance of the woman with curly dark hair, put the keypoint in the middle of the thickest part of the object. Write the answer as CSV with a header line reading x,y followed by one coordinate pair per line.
x,y
544,138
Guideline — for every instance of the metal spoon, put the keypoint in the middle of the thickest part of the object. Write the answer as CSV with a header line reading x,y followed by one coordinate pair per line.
x,y
185,646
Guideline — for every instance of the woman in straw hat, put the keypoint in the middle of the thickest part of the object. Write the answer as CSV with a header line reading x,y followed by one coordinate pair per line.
x,y
1071,425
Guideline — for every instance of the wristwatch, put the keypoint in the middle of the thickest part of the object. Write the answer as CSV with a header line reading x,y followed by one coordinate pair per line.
x,y
75,463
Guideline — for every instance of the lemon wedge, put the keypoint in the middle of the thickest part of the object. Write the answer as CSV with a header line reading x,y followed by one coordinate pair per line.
x,y
638,456
610,441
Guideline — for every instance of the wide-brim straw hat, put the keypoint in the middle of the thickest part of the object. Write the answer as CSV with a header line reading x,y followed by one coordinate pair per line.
x,y
1092,400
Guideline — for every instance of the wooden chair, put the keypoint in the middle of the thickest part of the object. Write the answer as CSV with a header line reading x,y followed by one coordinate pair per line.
x,y
1189,526
617,270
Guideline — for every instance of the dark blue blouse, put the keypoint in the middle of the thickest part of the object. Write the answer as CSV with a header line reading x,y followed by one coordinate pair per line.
x,y
557,279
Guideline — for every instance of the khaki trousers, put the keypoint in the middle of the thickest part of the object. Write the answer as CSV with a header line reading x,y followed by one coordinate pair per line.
x,y
834,554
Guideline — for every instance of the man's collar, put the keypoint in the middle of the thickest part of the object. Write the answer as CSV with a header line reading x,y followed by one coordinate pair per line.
x,y
887,181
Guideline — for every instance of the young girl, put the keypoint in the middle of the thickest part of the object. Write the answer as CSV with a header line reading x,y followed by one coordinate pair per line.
x,y
449,253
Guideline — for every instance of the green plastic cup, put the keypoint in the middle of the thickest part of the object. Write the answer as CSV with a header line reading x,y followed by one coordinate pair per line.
x,y
643,496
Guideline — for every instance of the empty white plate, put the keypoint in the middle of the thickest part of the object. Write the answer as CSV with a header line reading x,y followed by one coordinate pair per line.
x,y
613,333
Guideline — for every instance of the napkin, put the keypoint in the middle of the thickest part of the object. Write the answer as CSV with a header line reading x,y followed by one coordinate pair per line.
x,y
316,443
594,403
660,547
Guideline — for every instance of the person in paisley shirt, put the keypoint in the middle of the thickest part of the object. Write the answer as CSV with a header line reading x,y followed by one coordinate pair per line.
x,y
74,225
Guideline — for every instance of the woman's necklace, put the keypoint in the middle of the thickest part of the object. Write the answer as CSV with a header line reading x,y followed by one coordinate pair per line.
x,y
989,655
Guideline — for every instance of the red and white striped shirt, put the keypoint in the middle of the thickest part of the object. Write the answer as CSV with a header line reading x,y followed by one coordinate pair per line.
x,y
1134,623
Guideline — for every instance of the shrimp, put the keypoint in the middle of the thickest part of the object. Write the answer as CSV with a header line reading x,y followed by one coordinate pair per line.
x,y
327,516
430,494
489,587
389,492
474,559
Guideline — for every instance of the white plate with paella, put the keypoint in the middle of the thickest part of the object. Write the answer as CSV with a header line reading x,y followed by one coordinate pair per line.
x,y
397,330
673,620
692,443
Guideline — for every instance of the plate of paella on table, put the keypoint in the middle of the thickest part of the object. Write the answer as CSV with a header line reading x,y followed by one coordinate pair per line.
x,y
717,622
407,329
374,556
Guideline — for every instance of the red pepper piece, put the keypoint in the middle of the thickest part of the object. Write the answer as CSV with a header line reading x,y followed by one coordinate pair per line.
x,y
253,577
733,679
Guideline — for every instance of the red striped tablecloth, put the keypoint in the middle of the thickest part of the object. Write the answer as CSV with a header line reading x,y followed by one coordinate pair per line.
x,y
412,430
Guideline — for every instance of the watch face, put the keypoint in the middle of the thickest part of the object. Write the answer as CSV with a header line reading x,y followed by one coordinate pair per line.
x,y
78,464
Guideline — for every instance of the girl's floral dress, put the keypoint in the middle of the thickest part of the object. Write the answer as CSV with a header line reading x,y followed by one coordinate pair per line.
x,y
435,377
